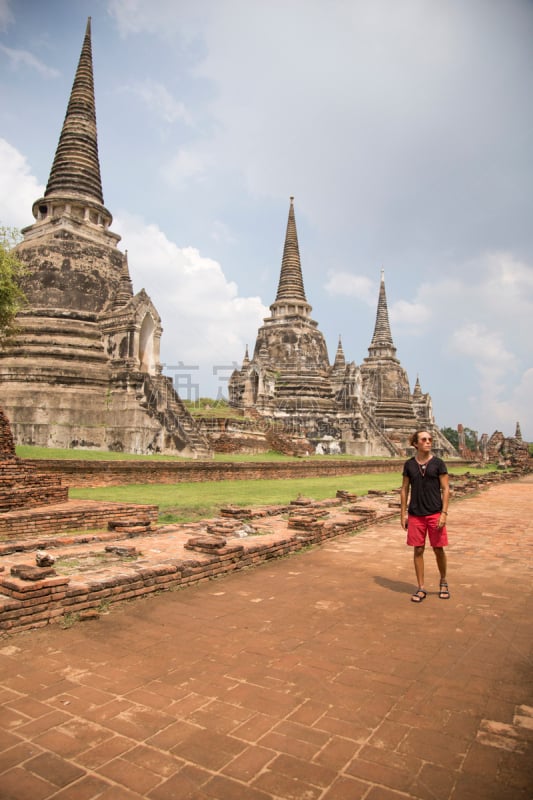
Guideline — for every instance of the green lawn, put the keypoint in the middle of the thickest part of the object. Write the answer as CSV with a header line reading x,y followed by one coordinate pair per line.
x,y
29,451
187,502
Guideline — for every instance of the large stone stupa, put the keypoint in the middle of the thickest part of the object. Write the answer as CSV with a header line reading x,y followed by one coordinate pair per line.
x,y
84,369
365,410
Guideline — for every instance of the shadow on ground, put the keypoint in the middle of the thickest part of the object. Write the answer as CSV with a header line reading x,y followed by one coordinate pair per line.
x,y
394,586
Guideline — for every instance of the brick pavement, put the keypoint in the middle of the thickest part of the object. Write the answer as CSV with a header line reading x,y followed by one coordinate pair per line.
x,y
309,678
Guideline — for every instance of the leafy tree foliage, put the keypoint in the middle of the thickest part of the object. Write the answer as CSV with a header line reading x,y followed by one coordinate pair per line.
x,y
471,439
453,437
12,298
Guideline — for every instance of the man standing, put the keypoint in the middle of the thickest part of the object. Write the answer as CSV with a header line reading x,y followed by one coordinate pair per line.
x,y
426,476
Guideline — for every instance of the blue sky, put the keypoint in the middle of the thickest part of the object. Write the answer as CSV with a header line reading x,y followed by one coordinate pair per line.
x,y
402,127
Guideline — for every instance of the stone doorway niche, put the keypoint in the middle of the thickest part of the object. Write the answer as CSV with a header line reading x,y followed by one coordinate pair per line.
x,y
146,345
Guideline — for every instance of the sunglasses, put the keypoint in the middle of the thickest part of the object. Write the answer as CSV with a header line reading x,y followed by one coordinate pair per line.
x,y
425,439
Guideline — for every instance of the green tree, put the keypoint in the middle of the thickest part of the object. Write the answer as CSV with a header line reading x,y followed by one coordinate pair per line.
x,y
12,297
452,435
471,439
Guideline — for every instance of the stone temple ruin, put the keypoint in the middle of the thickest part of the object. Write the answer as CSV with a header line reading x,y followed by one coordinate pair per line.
x,y
367,410
84,369
506,451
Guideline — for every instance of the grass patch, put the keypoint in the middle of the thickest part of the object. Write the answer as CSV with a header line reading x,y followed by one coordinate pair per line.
x,y
69,454
188,502
66,454
66,565
69,619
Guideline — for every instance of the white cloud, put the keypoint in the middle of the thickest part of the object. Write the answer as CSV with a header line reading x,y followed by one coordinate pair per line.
x,y
22,58
521,399
221,233
397,111
345,284
132,16
411,315
485,348
206,323
498,406
160,17
484,304
6,17
477,342
184,167
19,189
160,101
498,397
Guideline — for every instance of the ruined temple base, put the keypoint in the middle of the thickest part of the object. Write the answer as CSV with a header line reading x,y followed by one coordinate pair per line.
x,y
41,525
90,571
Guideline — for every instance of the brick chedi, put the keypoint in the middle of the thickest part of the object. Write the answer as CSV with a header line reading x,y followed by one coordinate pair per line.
x,y
289,371
385,387
84,369
366,410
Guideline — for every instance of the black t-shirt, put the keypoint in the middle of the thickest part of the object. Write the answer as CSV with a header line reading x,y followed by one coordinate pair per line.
x,y
425,486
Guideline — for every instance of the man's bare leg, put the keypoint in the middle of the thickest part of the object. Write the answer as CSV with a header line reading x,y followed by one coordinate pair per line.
x,y
440,555
418,557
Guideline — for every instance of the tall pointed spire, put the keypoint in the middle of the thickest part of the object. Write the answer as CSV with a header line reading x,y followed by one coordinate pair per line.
x,y
291,285
125,288
76,168
73,198
382,344
340,360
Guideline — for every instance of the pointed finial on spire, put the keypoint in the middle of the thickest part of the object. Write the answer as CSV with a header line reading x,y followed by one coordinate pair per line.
x,y
340,360
382,345
76,168
291,285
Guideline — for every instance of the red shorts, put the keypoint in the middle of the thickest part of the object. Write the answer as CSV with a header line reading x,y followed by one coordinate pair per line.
x,y
419,527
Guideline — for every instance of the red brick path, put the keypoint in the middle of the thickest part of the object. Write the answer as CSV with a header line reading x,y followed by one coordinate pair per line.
x,y
309,678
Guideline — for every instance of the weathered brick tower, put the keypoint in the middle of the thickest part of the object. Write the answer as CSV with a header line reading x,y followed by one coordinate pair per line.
x,y
366,410
386,391
84,370
289,372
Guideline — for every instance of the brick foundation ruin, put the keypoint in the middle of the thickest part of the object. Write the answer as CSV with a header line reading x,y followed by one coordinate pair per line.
x,y
21,485
128,562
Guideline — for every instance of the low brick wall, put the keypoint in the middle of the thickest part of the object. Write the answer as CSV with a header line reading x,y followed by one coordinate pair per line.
x,y
78,473
24,485
28,604
79,515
